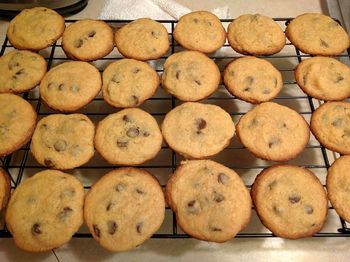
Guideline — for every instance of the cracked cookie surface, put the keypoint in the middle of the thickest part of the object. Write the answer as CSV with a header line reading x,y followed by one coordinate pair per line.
x,y
285,205
210,200
45,210
124,208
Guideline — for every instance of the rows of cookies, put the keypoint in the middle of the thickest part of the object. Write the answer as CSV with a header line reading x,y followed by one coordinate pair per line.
x,y
210,200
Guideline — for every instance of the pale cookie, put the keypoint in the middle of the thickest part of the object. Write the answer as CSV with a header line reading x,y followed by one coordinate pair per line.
x,y
45,210
252,79
70,86
21,71
330,124
338,186
210,200
5,188
190,76
198,130
124,208
129,137
35,28
324,78
201,31
273,132
63,141
128,83
290,201
88,40
17,123
255,35
142,39
317,34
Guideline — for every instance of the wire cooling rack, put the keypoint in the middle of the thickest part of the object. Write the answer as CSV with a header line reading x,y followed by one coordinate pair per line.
x,y
315,157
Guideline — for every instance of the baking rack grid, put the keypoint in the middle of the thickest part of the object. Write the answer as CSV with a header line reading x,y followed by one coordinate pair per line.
x,y
315,157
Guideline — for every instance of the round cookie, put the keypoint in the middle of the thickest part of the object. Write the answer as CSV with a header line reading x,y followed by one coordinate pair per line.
x,y
129,137
317,34
88,40
124,208
17,123
201,31
63,141
142,39
35,28
285,205
210,200
70,86
255,35
273,132
21,71
45,211
190,76
330,124
5,188
128,83
198,130
252,79
324,78
338,186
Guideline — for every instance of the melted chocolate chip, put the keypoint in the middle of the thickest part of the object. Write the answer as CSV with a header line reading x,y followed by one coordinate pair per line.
x,y
136,70
60,87
339,78
140,192
20,72
215,229
217,197
294,199
139,227
122,143
249,80
324,43
109,206
48,162
36,229
277,210
135,99
115,79
78,43
272,185
266,91
120,187
92,33
146,134
50,86
337,123
309,209
133,132
63,214
97,231
126,118
201,123
60,145
195,20
155,34
197,82
346,133
274,141
112,227
223,178
178,74
247,89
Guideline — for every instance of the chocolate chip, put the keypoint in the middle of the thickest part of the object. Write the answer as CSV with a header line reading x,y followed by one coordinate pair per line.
x,y
195,20
339,78
309,209
136,70
247,89
36,229
217,197
63,214
324,43
115,79
91,33
122,143
12,64
337,123
74,88
48,162
266,91
112,227
60,145
178,74
78,43
249,80
146,134
272,185
60,87
126,118
96,230
139,227
120,187
294,198
133,132
109,206
155,34
274,141
223,178
135,99
197,82
201,124
209,23
346,133
193,207
139,191
277,210
215,229
20,72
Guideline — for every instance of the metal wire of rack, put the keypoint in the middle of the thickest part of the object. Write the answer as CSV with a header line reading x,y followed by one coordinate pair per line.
x,y
21,164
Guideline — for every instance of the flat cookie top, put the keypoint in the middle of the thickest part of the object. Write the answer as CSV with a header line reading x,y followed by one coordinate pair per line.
x,y
210,200
330,124
338,186
5,188
252,79
70,86
324,78
317,34
142,39
285,205
124,208
190,76
88,40
17,123
21,71
198,130
128,83
35,28
45,211
201,31
63,141
255,35
129,137
273,132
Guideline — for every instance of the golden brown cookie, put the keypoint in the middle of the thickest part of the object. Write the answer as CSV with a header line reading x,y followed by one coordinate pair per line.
x,y
5,188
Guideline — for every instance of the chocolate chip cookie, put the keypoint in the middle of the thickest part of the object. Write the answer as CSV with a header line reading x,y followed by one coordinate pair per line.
x,y
5,188
63,141
324,78
190,76
129,137
317,34
70,86
255,35
273,132
142,39
290,201
35,28
252,79
124,208
198,130
210,200
330,124
201,31
88,40
128,83
45,210
338,186
17,123
21,71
